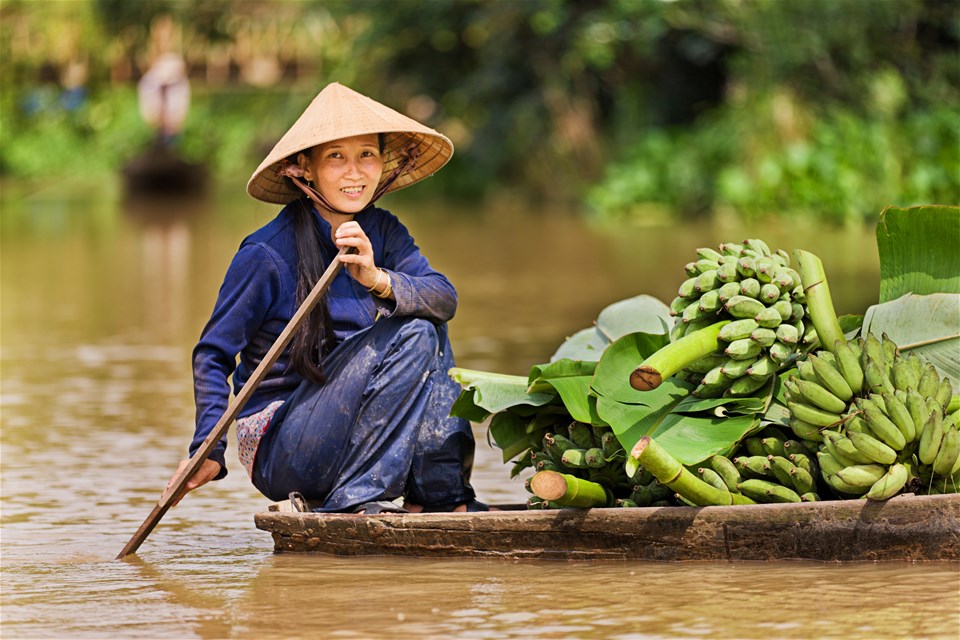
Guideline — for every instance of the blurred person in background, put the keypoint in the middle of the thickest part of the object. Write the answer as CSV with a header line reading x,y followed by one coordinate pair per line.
x,y
355,413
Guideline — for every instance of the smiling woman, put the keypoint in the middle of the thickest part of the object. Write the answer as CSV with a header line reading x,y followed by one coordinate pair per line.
x,y
355,414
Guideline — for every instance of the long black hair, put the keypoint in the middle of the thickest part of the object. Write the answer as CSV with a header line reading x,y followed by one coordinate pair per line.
x,y
314,338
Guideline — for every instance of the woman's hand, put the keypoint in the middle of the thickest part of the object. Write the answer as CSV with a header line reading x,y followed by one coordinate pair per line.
x,y
359,264
209,470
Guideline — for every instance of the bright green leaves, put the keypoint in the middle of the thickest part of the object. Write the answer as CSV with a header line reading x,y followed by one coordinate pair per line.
x,y
919,251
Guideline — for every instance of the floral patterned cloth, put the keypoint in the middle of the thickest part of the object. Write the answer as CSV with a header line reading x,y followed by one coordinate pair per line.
x,y
249,432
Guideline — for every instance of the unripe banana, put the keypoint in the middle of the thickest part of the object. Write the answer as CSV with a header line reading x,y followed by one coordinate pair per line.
x,y
842,448
704,266
918,411
797,310
737,330
830,377
731,249
903,375
686,289
890,352
803,480
805,369
857,424
574,458
707,281
871,349
709,391
944,392
890,484
726,470
813,415
765,491
757,245
712,478
764,337
754,446
785,309
930,438
837,484
706,253
917,365
678,305
581,434
784,257
745,386
781,468
805,430
817,395
704,365
810,497
766,269
743,349
727,273
769,293
768,317
788,334
948,453
803,461
872,448
744,307
710,302
752,466
782,353
784,281
714,377
798,294
810,338
734,369
848,364
762,368
750,287
881,426
929,382
900,416
747,267
773,446
829,465
693,312
728,290
875,378
862,475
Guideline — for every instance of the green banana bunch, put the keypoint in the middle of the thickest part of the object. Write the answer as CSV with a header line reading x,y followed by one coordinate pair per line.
x,y
763,297
771,468
591,453
878,418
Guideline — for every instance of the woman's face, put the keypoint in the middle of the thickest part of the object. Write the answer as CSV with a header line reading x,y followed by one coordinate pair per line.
x,y
345,171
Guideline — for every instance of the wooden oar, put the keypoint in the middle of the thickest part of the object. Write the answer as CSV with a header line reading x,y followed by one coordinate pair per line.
x,y
180,480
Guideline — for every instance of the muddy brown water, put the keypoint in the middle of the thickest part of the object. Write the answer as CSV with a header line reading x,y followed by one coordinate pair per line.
x,y
101,304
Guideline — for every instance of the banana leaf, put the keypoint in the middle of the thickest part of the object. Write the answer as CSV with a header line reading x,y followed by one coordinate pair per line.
x,y
485,393
928,325
689,437
641,313
571,379
919,306
918,251
612,378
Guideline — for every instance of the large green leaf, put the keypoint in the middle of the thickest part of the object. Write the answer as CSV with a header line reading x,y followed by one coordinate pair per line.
x,y
690,438
494,392
928,325
571,379
918,251
509,433
641,313
612,378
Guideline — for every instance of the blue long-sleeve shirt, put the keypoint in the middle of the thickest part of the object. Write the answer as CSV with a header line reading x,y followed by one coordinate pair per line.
x,y
258,298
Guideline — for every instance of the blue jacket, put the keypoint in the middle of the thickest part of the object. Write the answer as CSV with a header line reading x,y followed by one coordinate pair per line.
x,y
258,298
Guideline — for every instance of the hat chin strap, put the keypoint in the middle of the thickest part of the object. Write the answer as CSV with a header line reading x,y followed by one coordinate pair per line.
x,y
295,173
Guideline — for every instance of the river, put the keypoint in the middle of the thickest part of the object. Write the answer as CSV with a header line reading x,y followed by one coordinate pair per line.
x,y
101,303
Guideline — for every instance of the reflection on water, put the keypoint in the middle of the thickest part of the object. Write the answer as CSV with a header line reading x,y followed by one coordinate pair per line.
x,y
101,304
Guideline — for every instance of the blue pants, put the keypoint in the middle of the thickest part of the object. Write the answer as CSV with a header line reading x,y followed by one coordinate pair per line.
x,y
377,429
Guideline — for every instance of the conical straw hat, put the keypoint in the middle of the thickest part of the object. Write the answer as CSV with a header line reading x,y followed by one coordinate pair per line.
x,y
339,112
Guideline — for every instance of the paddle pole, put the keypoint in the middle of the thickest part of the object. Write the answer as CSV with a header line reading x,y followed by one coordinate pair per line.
x,y
180,480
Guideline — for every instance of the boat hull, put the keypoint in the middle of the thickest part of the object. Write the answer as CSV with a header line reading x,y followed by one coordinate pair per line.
x,y
913,528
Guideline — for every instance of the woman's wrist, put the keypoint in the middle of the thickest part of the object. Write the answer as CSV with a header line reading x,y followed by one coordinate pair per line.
x,y
386,289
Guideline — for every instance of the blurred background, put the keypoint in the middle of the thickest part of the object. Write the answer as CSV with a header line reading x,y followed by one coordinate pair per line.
x,y
598,144
824,108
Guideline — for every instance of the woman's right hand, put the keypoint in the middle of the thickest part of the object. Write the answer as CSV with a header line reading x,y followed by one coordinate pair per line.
x,y
209,470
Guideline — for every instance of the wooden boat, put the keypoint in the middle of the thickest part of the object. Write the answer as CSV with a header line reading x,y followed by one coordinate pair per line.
x,y
907,527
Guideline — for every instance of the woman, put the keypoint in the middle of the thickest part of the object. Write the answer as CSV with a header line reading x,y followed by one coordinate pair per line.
x,y
356,412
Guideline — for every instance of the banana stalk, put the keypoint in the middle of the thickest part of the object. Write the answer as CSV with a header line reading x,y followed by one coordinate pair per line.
x,y
676,356
566,490
671,473
819,302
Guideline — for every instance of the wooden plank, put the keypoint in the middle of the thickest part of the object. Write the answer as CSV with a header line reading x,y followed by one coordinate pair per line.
x,y
904,528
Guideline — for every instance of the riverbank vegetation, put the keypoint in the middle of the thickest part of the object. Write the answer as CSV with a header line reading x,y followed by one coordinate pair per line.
x,y
798,107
